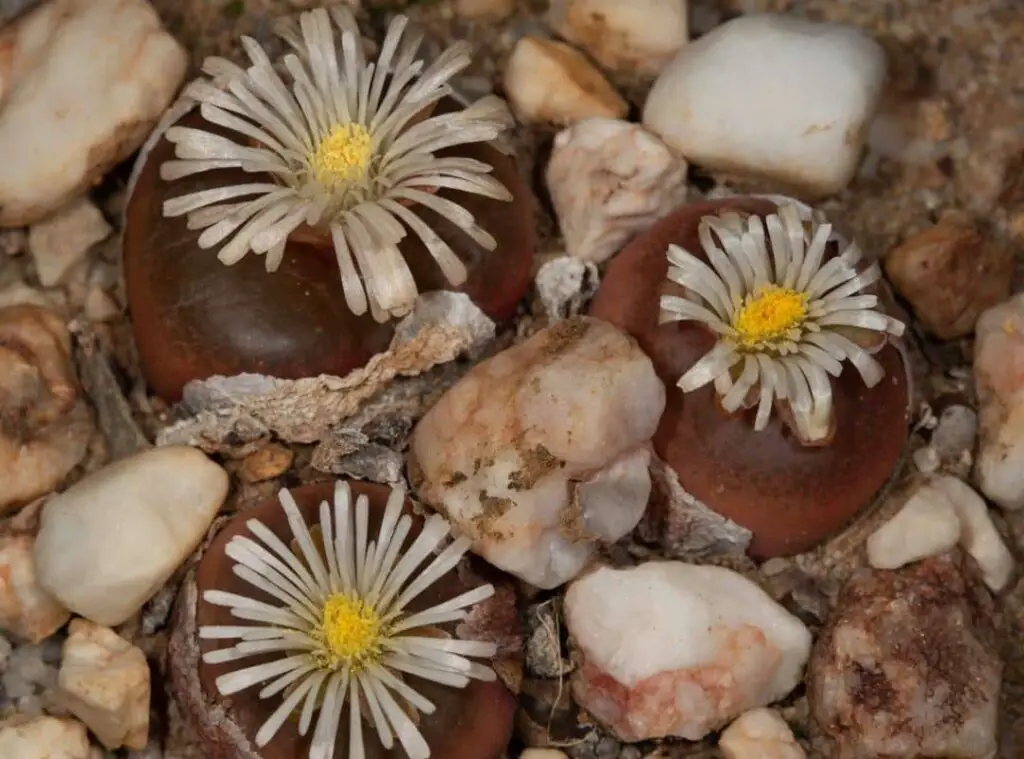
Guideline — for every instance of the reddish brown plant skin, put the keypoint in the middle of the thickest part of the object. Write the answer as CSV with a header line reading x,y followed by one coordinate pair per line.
x,y
194,317
789,495
470,723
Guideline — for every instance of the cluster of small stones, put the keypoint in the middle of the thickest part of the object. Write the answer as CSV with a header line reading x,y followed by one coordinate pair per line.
x,y
88,570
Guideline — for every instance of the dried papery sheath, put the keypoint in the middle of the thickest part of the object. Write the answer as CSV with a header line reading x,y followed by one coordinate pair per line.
x,y
341,145
787,313
339,631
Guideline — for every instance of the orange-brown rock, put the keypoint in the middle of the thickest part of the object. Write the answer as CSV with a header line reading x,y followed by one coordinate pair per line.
x,y
950,274
470,723
789,495
194,317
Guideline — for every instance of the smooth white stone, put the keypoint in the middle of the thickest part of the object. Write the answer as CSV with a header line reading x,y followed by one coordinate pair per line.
x,y
82,82
927,525
109,542
104,681
542,451
60,241
978,535
635,36
548,81
610,179
26,610
674,649
774,96
44,738
998,375
760,734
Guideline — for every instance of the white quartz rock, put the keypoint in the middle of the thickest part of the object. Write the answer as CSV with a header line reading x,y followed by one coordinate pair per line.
x,y
998,358
26,609
773,96
44,738
760,734
60,241
610,179
674,649
543,450
109,542
636,36
82,82
978,535
548,81
940,512
927,525
104,681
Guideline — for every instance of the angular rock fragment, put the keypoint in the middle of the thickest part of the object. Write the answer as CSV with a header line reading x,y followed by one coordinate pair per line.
x,y
610,179
46,424
104,681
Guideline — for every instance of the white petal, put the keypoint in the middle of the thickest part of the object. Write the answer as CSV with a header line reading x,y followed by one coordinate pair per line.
x,y
233,682
737,395
713,363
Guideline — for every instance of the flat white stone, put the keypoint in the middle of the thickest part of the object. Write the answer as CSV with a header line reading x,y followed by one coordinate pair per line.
x,y
634,36
82,82
60,241
927,525
978,535
44,738
760,734
674,649
610,179
104,681
998,356
109,542
774,96
548,81
542,451
26,610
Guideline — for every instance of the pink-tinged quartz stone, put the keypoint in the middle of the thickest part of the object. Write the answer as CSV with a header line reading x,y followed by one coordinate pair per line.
x,y
674,649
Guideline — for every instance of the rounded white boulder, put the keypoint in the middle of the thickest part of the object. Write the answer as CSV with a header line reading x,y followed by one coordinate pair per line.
x,y
109,542
773,96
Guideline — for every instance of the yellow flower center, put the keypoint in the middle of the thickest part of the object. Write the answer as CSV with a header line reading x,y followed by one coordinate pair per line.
x,y
342,156
769,314
350,633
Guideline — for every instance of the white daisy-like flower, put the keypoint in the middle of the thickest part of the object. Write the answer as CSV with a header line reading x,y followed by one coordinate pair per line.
x,y
340,629
346,147
786,314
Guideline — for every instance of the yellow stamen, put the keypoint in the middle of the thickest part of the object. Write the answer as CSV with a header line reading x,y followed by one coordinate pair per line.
x,y
769,314
342,156
350,633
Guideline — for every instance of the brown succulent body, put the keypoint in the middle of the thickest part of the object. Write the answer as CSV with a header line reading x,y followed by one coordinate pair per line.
x,y
194,317
791,496
470,723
